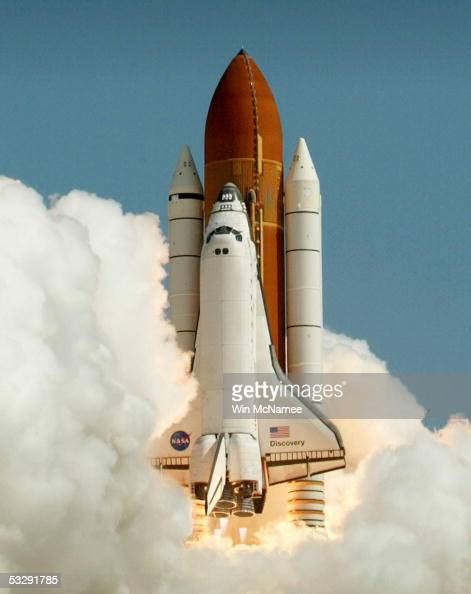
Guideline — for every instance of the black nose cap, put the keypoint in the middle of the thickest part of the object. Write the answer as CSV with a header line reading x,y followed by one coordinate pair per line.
x,y
230,193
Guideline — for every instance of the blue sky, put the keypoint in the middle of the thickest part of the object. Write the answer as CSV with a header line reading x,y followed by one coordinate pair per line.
x,y
101,95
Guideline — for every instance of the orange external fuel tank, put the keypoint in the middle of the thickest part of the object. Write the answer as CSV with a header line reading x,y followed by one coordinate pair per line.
x,y
243,144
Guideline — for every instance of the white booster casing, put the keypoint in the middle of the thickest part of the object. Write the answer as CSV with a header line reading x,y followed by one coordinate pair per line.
x,y
306,501
303,264
185,216
303,226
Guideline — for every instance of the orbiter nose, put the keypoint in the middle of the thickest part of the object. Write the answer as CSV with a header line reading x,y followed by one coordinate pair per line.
x,y
229,193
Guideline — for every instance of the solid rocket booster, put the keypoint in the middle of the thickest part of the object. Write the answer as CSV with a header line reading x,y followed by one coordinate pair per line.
x,y
243,143
185,216
303,264
304,306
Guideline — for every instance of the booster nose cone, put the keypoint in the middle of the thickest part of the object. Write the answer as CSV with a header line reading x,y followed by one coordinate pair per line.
x,y
186,180
302,168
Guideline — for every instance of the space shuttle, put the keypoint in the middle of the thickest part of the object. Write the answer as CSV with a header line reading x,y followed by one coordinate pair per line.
x,y
244,252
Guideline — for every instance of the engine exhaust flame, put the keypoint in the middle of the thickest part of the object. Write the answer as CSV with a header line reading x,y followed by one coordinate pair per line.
x,y
242,534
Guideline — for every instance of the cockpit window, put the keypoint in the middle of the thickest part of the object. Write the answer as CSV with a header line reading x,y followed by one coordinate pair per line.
x,y
229,193
227,196
224,230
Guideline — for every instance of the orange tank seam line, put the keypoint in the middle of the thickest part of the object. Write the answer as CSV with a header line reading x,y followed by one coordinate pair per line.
x,y
253,94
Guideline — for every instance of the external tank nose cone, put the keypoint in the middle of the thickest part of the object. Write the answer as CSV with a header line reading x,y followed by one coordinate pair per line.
x,y
242,108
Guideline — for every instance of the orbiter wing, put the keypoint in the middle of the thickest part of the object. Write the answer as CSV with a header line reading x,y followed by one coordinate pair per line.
x,y
172,450
293,448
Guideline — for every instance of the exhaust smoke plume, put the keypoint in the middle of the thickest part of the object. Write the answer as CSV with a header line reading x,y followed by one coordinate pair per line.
x,y
89,368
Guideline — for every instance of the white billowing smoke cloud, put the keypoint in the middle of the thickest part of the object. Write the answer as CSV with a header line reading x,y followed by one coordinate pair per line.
x,y
89,365
364,436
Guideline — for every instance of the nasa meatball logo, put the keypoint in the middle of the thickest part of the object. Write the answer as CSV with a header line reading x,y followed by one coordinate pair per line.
x,y
179,440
